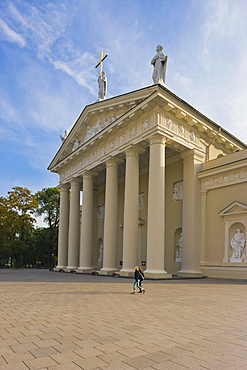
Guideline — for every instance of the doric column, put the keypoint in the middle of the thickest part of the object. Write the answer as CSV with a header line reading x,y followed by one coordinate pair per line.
x,y
74,225
131,212
191,214
63,228
156,209
111,218
86,243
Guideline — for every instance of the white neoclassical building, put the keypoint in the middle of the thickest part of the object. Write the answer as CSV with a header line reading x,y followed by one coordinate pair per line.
x,y
146,179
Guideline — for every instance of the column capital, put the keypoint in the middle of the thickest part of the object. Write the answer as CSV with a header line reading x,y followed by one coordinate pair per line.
x,y
192,154
89,174
75,181
157,139
113,162
134,151
64,187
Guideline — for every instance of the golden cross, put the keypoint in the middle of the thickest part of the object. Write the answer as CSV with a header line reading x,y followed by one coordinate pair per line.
x,y
101,61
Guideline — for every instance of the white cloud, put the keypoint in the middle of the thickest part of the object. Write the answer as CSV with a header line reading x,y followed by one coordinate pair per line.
x,y
80,69
7,111
11,35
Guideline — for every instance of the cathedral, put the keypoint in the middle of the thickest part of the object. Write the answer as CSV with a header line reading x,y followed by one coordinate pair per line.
x,y
147,180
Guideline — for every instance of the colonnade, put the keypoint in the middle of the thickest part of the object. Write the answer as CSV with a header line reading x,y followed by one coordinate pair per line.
x,y
75,253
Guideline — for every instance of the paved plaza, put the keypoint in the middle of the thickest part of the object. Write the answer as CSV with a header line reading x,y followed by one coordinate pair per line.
x,y
59,321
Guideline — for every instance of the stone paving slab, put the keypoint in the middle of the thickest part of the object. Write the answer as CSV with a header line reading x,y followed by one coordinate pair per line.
x,y
59,321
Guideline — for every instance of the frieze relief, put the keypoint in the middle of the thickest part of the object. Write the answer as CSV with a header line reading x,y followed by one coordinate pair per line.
x,y
168,122
176,126
192,136
133,132
145,124
181,130
224,180
122,139
112,145
103,150
93,130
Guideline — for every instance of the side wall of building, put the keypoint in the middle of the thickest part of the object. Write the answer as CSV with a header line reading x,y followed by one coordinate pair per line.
x,y
224,185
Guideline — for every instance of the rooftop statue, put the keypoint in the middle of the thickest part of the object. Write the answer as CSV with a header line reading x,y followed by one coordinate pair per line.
x,y
65,135
102,80
159,62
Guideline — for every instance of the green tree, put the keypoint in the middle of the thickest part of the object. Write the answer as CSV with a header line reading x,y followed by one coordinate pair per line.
x,y
16,222
49,200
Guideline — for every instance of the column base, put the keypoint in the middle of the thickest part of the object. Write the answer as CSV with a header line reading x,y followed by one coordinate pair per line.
x,y
157,274
85,270
127,272
59,268
108,271
70,268
189,273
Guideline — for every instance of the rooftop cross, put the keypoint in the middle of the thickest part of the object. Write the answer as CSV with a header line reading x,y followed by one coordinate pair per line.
x,y
100,63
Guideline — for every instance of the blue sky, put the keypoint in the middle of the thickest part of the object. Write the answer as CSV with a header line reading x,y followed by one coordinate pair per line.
x,y
48,50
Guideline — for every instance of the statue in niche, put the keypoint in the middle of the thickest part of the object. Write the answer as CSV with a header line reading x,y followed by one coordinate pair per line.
x,y
178,254
178,190
102,82
237,244
159,62
100,259
63,138
141,201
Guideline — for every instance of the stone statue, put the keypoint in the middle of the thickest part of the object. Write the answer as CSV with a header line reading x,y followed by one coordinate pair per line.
x,y
178,254
178,190
237,244
65,135
100,259
102,82
76,145
159,62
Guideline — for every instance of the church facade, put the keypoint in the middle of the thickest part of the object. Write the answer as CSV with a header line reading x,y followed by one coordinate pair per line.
x,y
148,180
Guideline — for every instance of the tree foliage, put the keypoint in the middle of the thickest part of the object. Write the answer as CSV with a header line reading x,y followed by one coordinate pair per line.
x,y
49,200
16,222
21,244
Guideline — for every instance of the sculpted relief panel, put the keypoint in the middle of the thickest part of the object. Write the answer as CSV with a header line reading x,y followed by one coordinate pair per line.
x,y
180,129
93,130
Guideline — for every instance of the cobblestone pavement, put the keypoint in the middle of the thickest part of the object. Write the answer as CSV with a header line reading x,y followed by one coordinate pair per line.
x,y
61,321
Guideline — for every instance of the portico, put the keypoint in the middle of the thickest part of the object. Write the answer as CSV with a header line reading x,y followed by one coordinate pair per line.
x,y
127,155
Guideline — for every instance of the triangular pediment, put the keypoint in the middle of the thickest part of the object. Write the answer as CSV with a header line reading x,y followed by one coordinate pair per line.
x,y
97,118
233,209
